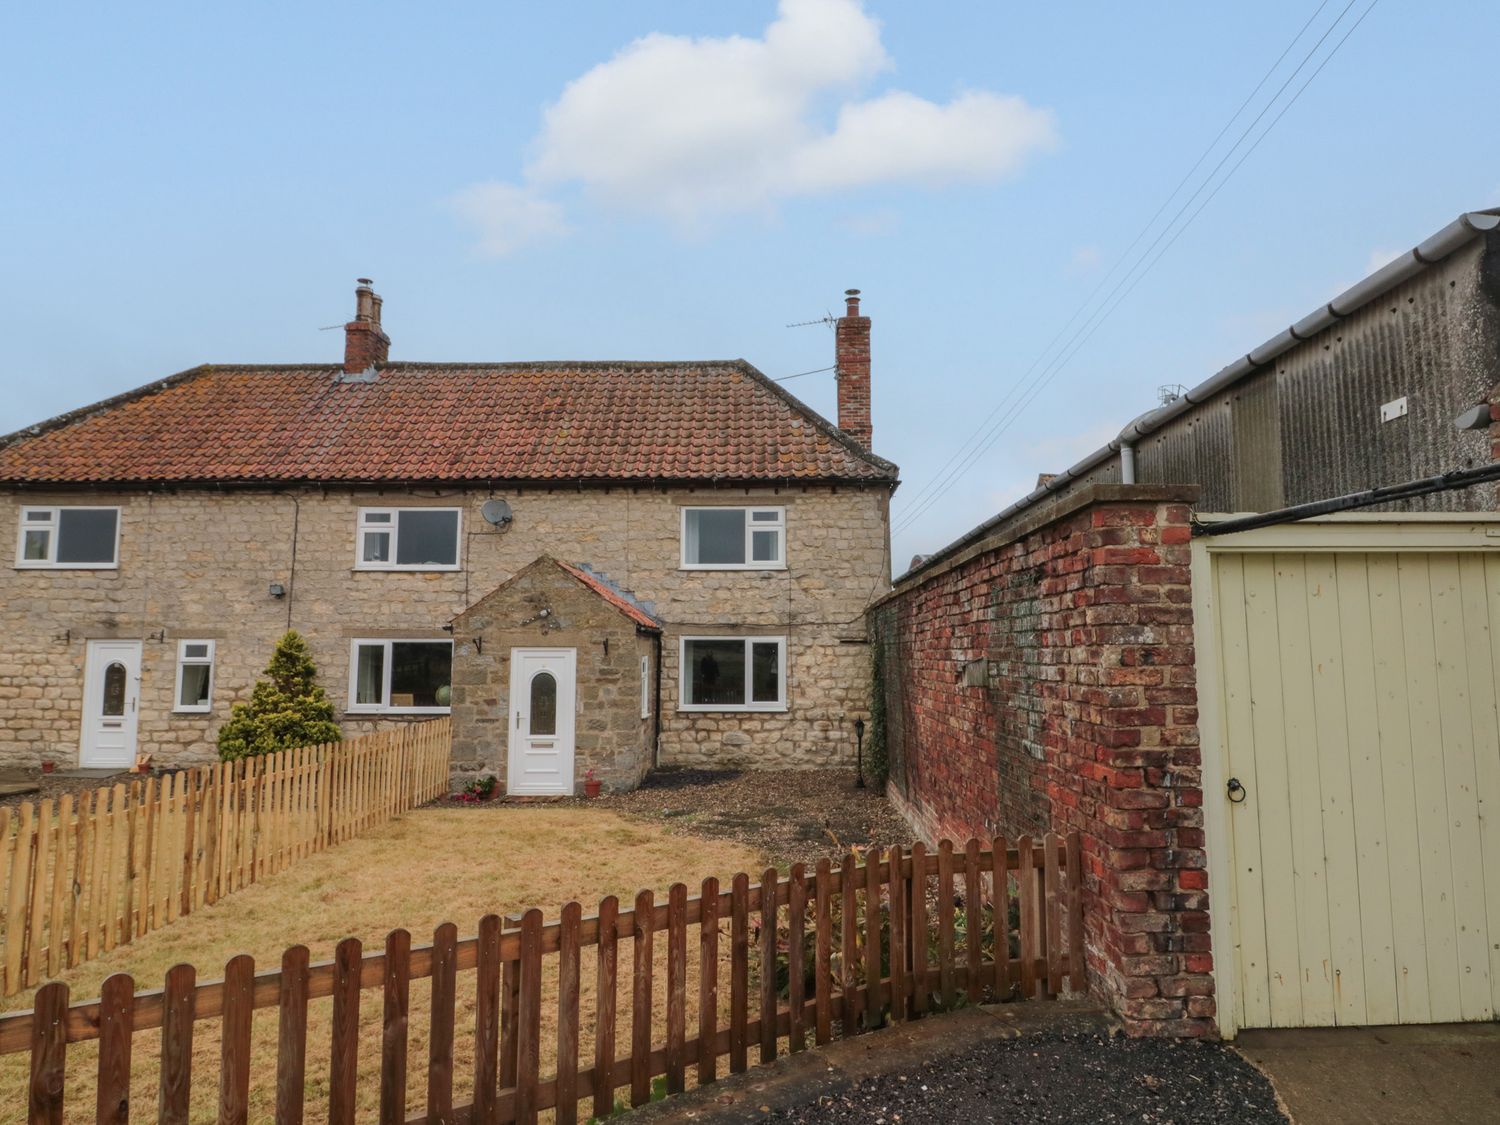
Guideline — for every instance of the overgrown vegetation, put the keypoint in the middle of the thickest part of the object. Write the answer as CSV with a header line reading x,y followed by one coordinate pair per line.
x,y
880,762
286,710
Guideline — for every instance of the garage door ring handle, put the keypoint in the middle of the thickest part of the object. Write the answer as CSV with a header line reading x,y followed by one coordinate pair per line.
x,y
1237,792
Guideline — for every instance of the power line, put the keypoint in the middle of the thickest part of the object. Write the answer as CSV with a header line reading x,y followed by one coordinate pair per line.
x,y
1027,391
979,431
1024,392
814,371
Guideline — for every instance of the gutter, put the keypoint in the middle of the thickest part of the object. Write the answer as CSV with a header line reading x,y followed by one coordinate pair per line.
x,y
1457,234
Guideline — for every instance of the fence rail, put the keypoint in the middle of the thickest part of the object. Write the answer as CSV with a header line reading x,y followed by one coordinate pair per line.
x,y
845,949
81,879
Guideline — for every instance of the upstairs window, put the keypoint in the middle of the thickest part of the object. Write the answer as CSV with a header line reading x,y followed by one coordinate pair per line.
x,y
413,676
69,538
408,539
734,538
195,676
733,674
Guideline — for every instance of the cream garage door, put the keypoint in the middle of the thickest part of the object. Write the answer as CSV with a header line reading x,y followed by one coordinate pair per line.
x,y
1358,711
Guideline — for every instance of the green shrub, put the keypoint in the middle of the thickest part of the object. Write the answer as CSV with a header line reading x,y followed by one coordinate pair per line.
x,y
287,708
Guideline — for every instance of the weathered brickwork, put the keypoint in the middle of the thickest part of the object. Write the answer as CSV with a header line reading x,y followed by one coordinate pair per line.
x,y
1080,715
198,564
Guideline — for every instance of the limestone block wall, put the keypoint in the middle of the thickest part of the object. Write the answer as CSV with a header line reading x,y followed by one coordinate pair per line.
x,y
198,563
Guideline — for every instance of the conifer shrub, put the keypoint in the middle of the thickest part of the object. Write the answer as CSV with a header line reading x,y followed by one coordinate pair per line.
x,y
287,708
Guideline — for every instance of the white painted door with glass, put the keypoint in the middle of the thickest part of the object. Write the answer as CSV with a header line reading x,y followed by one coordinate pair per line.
x,y
543,695
111,702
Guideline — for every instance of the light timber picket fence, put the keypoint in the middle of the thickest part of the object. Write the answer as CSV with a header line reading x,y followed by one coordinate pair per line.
x,y
81,878
840,951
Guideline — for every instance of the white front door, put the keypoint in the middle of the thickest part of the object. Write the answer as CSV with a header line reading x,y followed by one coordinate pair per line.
x,y
542,699
111,700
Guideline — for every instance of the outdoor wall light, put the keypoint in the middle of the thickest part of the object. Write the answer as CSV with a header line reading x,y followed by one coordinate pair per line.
x,y
277,590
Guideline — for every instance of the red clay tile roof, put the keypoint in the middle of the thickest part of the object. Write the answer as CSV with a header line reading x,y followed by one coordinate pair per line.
x,y
629,608
720,420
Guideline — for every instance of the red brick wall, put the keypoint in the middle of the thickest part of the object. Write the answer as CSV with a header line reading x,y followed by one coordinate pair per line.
x,y
852,372
1084,718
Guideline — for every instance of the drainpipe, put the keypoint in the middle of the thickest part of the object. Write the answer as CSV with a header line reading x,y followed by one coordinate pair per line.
x,y
1127,463
656,708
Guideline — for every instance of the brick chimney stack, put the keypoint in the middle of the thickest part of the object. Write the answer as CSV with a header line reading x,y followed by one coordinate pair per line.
x,y
365,343
852,358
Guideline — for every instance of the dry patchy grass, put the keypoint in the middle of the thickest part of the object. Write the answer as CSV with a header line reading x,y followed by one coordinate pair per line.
x,y
432,866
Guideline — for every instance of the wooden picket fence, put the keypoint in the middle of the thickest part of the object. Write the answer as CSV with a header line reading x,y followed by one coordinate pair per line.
x,y
129,859
844,950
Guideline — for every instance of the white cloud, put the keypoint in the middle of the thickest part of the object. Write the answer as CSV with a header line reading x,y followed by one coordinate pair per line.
x,y
690,129
508,217
870,224
1085,259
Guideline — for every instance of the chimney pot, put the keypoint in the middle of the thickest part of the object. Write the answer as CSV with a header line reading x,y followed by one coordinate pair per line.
x,y
852,370
365,343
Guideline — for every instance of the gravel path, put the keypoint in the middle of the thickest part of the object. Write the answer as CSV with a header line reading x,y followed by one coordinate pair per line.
x,y
792,816
1084,1078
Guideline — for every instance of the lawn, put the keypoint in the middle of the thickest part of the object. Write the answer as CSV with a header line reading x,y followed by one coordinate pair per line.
x,y
431,866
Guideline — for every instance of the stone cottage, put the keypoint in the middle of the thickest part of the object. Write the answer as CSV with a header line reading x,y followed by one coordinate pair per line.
x,y
702,543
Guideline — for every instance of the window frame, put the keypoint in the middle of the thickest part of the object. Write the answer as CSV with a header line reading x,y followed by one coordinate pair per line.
x,y
361,527
353,708
645,687
779,526
184,661
54,530
749,639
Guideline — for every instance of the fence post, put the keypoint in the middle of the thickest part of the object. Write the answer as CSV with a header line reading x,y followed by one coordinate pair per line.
x,y
49,1044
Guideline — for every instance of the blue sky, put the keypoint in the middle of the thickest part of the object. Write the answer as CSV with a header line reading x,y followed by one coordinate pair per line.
x,y
186,184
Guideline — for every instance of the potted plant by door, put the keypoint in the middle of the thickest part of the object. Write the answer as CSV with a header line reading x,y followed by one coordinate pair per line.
x,y
479,789
591,785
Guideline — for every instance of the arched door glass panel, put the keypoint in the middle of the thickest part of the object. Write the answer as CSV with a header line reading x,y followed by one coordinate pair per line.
x,y
543,703
114,690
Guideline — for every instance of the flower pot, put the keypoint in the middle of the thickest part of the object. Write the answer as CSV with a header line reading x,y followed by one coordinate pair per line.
x,y
49,767
591,787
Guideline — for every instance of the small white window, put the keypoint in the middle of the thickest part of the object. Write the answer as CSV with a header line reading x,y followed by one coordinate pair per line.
x,y
69,538
645,687
734,538
733,674
195,676
407,539
412,676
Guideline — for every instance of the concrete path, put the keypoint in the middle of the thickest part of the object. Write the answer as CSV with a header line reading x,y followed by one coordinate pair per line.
x,y
1448,1073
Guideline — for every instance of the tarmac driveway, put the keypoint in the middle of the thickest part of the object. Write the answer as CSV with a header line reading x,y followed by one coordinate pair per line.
x,y
1447,1073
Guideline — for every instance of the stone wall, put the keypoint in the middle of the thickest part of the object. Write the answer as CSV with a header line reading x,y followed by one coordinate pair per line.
x,y
198,564
611,736
1043,678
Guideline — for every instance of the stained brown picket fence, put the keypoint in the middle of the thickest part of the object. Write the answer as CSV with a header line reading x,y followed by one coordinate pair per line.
x,y
82,877
803,958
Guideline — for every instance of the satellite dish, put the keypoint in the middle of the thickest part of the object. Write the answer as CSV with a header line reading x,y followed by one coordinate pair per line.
x,y
496,512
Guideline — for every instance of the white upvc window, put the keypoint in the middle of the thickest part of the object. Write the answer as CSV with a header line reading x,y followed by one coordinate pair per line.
x,y
645,687
195,677
409,676
724,538
408,539
69,538
732,674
